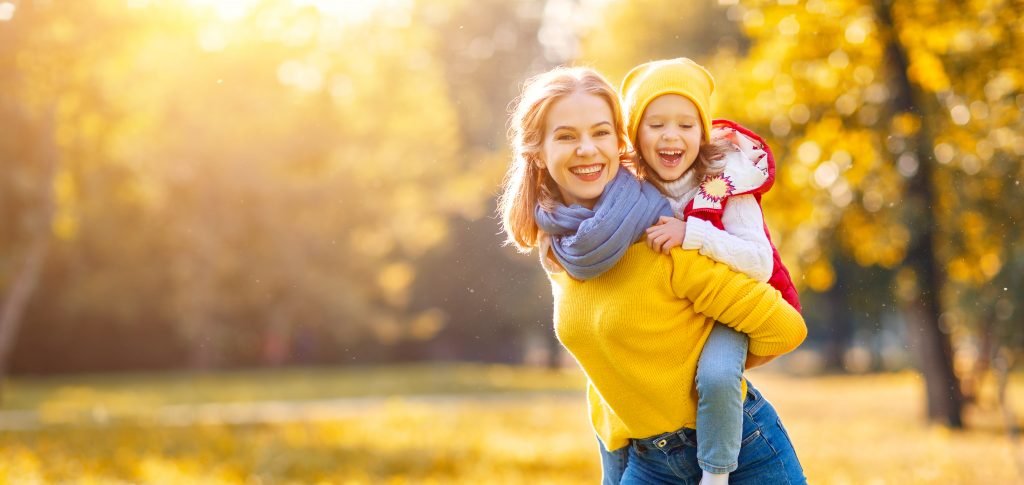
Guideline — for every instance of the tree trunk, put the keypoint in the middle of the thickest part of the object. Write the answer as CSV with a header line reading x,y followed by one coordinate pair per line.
x,y
17,296
840,325
931,342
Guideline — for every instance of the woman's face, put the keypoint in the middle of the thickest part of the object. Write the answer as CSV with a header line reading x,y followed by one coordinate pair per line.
x,y
669,135
581,151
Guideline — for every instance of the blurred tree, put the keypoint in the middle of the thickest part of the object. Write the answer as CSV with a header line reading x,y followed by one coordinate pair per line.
x,y
625,34
50,93
270,191
897,132
22,283
307,192
921,269
493,300
870,103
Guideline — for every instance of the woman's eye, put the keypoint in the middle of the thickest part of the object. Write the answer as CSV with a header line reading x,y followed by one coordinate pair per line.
x,y
563,137
603,133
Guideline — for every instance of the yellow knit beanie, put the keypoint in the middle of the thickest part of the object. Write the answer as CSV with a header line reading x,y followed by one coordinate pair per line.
x,y
679,76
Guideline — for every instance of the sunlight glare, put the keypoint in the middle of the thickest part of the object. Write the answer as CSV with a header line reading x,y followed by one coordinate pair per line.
x,y
227,10
338,12
212,39
304,76
359,11
352,11
6,11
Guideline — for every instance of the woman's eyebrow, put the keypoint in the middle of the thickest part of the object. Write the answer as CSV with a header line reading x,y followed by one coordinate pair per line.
x,y
595,125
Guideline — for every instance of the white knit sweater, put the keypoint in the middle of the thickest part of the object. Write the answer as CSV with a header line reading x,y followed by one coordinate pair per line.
x,y
743,245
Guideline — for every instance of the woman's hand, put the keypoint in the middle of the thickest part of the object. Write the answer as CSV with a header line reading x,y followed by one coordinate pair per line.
x,y
666,234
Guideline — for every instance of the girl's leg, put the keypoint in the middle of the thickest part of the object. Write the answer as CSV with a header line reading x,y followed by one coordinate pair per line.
x,y
613,463
720,400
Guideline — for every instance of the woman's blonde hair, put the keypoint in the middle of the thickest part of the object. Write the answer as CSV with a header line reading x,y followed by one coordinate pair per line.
x,y
526,184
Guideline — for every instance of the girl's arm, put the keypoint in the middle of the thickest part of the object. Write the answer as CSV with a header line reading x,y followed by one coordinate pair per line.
x,y
743,245
736,300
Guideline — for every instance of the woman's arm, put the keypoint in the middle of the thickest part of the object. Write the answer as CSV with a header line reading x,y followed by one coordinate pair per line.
x,y
736,300
743,245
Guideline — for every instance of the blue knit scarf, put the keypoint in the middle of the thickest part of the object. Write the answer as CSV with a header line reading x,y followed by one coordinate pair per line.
x,y
589,242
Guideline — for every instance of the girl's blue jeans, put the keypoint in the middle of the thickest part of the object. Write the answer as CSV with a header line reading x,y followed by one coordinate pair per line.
x,y
720,399
766,453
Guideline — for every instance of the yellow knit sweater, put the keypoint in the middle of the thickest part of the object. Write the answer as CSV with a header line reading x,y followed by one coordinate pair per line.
x,y
638,329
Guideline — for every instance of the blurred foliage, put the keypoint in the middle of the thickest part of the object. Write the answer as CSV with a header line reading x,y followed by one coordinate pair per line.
x,y
250,181
274,182
815,79
811,77
469,438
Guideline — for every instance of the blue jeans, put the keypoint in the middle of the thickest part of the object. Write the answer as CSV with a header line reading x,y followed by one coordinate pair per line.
x,y
613,464
720,399
766,453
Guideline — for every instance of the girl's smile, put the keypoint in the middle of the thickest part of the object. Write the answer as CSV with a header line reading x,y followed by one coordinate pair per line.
x,y
669,135
670,158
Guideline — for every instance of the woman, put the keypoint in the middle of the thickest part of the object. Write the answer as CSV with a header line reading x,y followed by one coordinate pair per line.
x,y
636,326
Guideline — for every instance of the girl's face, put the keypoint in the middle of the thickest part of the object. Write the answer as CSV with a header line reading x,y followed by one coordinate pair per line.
x,y
581,151
669,135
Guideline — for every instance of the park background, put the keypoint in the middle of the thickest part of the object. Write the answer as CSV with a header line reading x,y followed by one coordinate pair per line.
x,y
253,241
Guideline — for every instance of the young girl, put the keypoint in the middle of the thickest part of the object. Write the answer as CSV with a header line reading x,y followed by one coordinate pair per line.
x,y
713,176
637,325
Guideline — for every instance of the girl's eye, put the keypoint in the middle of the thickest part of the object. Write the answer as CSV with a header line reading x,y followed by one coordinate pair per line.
x,y
603,133
655,125
686,127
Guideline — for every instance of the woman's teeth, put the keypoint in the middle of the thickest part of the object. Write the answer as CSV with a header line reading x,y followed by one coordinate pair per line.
x,y
586,170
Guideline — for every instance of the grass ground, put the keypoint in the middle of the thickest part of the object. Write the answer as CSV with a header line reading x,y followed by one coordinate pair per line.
x,y
456,424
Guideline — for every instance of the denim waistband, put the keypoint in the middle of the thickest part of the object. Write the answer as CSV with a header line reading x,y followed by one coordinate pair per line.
x,y
754,401
666,441
688,436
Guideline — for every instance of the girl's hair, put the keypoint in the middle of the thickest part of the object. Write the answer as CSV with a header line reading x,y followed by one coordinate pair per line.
x,y
710,161
526,184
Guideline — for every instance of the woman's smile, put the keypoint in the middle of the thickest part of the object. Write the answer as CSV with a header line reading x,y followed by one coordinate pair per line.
x,y
581,149
588,173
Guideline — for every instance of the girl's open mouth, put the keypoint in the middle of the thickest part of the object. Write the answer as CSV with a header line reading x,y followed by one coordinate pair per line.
x,y
670,158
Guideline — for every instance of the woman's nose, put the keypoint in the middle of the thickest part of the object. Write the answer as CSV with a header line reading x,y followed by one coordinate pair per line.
x,y
586,149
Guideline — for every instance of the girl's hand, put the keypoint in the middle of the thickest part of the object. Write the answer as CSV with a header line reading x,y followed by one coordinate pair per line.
x,y
666,234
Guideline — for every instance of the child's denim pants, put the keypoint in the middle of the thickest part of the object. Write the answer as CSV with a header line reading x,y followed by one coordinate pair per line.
x,y
720,399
